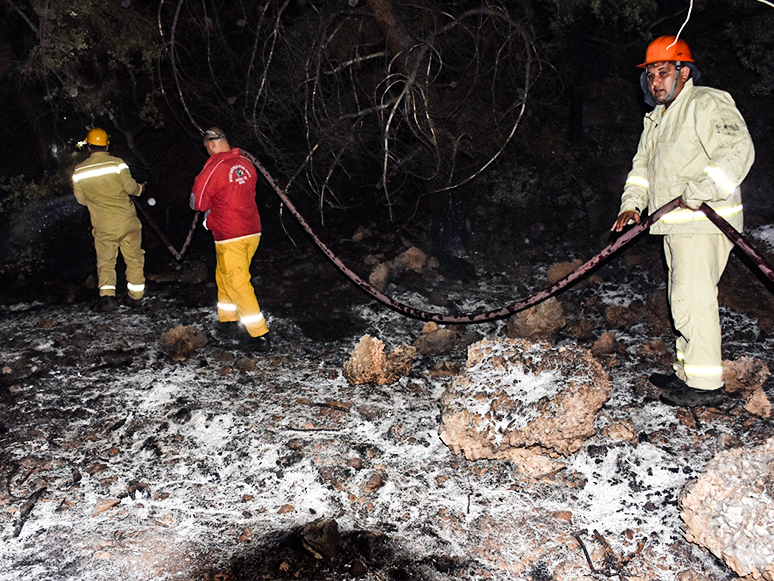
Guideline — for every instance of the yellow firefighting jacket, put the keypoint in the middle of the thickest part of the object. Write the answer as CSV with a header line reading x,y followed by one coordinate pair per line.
x,y
103,184
698,148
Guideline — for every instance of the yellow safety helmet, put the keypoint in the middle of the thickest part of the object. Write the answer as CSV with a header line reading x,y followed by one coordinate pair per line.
x,y
97,136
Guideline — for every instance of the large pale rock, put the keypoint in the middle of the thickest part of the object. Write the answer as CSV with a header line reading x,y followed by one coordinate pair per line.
x,y
381,276
182,342
435,340
412,259
540,322
729,510
620,317
398,364
559,270
104,504
758,404
524,402
368,363
746,376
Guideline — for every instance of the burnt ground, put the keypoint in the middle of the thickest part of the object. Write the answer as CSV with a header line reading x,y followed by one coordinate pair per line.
x,y
120,462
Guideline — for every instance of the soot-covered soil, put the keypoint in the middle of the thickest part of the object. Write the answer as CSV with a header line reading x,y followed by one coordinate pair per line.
x,y
118,462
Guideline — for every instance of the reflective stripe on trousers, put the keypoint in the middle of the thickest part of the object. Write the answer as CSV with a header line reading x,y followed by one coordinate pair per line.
x,y
696,262
236,296
130,244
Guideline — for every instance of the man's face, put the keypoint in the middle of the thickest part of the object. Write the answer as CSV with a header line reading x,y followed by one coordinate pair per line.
x,y
661,77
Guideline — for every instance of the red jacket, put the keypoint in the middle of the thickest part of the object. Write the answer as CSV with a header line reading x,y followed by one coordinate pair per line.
x,y
226,189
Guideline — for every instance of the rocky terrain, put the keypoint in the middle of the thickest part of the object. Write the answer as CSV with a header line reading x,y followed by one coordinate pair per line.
x,y
127,455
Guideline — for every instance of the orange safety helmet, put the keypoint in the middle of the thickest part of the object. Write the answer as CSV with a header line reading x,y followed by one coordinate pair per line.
x,y
97,136
667,48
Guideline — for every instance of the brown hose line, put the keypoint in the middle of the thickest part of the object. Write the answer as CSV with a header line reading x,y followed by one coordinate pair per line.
x,y
493,314
763,265
470,317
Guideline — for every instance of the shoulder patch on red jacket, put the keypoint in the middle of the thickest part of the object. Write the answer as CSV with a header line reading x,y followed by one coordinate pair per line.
x,y
239,173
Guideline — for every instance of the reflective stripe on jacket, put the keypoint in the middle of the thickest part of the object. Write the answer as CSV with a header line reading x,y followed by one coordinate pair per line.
x,y
698,148
103,183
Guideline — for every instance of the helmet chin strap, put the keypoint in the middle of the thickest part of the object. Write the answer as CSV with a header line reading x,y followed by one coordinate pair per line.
x,y
649,99
678,67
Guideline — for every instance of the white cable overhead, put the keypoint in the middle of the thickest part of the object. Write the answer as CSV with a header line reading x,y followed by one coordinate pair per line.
x,y
688,17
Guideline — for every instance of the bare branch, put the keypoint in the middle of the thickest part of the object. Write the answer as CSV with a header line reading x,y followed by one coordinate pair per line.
x,y
26,18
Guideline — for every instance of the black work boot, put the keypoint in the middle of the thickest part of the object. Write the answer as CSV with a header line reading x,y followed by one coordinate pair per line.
x,y
691,397
106,304
675,391
229,329
260,344
667,382
133,303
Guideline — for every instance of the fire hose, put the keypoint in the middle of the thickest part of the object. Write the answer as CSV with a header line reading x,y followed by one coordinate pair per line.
x,y
507,310
160,234
739,241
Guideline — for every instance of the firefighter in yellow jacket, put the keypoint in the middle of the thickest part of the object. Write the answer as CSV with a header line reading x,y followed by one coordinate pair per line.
x,y
695,145
103,183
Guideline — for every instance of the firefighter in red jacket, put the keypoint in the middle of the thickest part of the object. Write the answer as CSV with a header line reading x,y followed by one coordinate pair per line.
x,y
225,191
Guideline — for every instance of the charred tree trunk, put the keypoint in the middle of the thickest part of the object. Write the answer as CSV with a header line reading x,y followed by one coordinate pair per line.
x,y
448,215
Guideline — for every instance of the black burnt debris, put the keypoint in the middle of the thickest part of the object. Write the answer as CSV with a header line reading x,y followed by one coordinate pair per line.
x,y
126,455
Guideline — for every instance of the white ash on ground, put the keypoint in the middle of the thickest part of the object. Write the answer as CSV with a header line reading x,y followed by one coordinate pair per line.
x,y
729,510
234,466
523,402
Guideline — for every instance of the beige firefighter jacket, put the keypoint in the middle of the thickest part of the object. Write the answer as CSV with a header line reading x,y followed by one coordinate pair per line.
x,y
103,184
698,148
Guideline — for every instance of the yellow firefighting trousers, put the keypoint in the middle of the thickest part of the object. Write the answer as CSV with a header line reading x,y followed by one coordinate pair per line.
x,y
127,238
236,296
696,262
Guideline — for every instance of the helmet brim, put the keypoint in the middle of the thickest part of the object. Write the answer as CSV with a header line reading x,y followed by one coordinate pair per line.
x,y
683,60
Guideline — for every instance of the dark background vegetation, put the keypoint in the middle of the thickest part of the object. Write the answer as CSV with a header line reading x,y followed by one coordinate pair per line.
x,y
465,126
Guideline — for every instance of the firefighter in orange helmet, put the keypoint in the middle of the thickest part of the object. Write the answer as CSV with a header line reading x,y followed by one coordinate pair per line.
x,y
103,183
695,146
